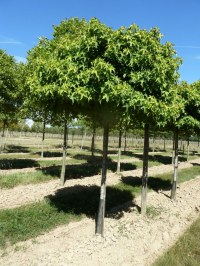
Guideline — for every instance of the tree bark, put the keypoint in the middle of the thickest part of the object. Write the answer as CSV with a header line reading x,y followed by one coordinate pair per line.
x,y
65,138
145,170
82,141
93,141
164,144
188,148
43,136
173,150
119,151
175,175
125,141
2,137
72,140
154,136
101,212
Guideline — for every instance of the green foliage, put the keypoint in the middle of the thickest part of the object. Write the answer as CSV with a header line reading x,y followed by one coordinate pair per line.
x,y
189,120
11,88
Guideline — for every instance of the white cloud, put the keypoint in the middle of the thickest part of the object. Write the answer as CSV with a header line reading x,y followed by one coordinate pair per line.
x,y
6,40
20,59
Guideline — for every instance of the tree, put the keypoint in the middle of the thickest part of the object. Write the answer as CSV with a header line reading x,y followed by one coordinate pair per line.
x,y
188,120
11,88
72,70
151,69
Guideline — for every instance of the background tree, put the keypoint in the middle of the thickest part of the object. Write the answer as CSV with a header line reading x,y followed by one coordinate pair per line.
x,y
11,89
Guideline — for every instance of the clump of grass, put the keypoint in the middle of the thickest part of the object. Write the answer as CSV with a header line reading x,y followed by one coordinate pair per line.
x,y
186,250
153,212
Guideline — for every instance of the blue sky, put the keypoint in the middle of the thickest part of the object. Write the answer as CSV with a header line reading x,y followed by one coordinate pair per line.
x,y
23,21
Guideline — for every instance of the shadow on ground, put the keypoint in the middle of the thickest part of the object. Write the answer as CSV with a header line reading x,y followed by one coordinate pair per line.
x,y
15,148
91,168
50,154
154,183
17,163
85,199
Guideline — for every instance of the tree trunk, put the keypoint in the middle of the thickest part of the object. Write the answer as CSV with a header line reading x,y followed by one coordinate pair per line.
x,y
145,170
65,137
183,149
5,138
93,141
154,136
101,212
125,141
188,148
119,151
72,140
82,141
164,145
43,136
175,175
2,137
173,150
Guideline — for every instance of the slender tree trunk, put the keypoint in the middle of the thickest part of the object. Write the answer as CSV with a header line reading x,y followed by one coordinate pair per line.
x,y
101,212
145,170
164,144
183,149
93,141
188,149
82,141
43,136
173,150
2,137
154,136
125,141
62,176
72,140
5,138
119,151
175,175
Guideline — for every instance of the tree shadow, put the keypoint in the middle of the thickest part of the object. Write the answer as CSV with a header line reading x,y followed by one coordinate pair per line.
x,y
164,159
17,163
112,165
16,148
48,154
73,171
91,168
85,199
195,164
154,183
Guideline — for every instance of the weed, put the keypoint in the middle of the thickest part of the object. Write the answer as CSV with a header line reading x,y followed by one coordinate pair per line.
x,y
153,212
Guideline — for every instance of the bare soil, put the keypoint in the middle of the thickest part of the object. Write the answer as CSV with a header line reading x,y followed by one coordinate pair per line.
x,y
129,238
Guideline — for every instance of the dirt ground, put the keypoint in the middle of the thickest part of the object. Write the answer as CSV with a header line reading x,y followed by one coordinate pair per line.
x,y
129,238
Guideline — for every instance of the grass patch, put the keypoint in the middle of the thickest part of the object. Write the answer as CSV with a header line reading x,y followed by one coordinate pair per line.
x,y
10,181
68,204
29,221
184,174
186,251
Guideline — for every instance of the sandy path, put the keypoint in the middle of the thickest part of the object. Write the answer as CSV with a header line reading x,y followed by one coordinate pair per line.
x,y
11,198
128,241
